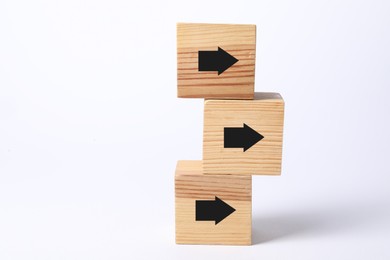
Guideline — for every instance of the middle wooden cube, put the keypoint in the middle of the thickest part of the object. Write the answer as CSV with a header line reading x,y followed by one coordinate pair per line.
x,y
243,136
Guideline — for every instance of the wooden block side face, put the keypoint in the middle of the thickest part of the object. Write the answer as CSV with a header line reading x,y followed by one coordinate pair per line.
x,y
237,82
265,115
191,185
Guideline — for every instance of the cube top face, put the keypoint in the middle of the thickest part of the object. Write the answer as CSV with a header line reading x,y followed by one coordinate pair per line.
x,y
243,137
195,192
216,60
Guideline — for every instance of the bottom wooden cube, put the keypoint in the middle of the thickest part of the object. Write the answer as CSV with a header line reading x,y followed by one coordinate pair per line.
x,y
212,209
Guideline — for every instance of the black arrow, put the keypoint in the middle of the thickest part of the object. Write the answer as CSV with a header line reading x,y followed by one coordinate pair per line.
x,y
212,210
215,60
240,137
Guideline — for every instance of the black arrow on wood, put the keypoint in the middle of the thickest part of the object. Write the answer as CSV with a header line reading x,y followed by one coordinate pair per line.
x,y
212,210
240,137
215,60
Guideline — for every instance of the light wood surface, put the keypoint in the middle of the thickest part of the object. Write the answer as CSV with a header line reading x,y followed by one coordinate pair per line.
x,y
264,114
192,185
237,82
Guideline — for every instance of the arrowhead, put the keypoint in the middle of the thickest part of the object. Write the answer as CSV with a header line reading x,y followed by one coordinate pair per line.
x,y
250,138
222,210
225,60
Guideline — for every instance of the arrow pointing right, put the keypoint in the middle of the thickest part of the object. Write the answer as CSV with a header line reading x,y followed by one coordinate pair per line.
x,y
240,137
215,60
212,210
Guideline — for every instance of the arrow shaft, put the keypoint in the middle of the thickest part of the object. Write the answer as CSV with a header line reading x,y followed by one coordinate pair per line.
x,y
205,210
208,60
233,137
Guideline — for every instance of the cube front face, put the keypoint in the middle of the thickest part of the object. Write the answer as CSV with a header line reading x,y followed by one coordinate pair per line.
x,y
200,75
195,196
255,125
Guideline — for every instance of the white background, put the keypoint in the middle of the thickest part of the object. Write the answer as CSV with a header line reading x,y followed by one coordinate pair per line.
x,y
91,129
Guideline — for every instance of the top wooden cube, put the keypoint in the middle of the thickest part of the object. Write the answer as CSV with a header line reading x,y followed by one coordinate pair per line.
x,y
216,60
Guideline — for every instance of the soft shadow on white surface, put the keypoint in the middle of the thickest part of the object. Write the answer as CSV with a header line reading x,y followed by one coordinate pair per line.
x,y
330,219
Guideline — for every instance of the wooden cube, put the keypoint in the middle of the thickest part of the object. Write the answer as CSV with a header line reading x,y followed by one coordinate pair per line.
x,y
243,136
212,209
216,60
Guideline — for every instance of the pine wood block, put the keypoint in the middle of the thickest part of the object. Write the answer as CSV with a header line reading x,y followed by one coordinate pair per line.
x,y
264,114
236,82
192,186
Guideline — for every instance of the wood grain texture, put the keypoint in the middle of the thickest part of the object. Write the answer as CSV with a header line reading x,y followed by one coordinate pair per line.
x,y
265,114
237,82
192,185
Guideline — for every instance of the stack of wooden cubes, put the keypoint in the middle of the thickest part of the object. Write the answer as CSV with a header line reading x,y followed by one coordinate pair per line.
x,y
242,136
